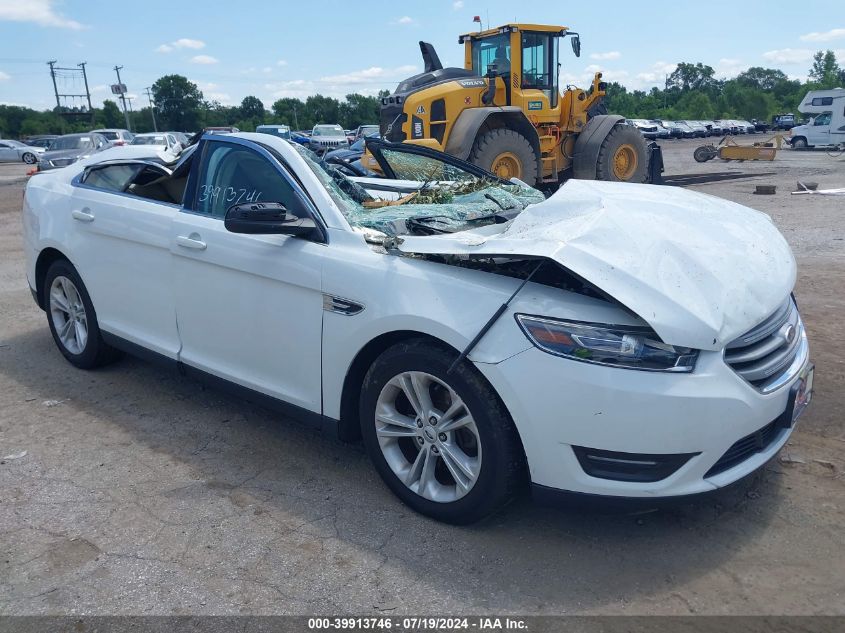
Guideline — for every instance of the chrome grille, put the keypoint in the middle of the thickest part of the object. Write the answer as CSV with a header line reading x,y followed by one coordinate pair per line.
x,y
763,355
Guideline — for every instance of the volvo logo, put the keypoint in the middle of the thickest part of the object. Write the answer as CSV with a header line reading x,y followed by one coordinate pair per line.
x,y
789,333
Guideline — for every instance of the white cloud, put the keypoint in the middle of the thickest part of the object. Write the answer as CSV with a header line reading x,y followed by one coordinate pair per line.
x,y
282,62
375,73
606,56
367,81
405,19
4,76
457,5
186,42
181,43
203,59
40,12
825,36
267,70
728,68
213,92
789,56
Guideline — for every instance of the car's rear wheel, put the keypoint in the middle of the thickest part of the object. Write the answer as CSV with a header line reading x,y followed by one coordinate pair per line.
x,y
72,320
443,443
29,158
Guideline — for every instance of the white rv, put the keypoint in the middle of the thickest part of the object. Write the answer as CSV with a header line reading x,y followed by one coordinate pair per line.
x,y
826,126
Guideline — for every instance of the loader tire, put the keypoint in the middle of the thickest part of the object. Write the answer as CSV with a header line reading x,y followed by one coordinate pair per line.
x,y
623,156
506,153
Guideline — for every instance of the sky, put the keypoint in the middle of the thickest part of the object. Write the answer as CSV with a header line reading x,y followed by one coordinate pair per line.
x,y
295,49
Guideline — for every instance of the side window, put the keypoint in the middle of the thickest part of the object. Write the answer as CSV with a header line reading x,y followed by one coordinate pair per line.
x,y
492,50
112,178
231,174
823,119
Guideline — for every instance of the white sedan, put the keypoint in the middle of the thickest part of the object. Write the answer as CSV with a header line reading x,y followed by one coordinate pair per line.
x,y
617,340
16,152
161,139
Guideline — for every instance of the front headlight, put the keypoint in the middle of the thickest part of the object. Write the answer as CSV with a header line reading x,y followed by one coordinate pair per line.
x,y
613,345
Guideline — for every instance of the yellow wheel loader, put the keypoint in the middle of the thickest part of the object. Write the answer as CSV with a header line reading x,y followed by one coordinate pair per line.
x,y
504,111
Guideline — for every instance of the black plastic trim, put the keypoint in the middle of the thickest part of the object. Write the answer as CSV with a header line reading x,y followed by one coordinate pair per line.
x,y
548,496
636,467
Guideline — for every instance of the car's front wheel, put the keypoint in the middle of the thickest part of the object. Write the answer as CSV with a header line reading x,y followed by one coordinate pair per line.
x,y
444,443
72,320
29,158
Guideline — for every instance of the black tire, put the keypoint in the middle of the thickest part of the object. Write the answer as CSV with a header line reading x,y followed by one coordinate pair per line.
x,y
703,153
799,142
618,136
502,473
492,144
95,352
29,158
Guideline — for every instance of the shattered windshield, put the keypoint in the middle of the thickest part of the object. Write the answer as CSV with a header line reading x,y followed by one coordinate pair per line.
x,y
442,198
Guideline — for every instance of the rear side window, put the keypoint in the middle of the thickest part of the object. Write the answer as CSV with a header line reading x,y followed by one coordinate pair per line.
x,y
233,174
112,178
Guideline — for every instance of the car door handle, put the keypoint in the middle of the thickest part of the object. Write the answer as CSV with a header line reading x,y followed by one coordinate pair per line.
x,y
83,215
191,242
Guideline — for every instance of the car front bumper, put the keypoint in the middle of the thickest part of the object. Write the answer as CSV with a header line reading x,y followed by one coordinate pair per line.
x,y
559,405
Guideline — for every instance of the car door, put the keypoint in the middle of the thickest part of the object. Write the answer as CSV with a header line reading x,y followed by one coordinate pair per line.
x,y
7,153
120,244
819,132
249,307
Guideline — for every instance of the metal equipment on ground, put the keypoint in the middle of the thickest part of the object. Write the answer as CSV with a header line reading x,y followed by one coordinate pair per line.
x,y
729,149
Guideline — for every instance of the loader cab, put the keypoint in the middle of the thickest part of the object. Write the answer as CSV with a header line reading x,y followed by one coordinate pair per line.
x,y
525,57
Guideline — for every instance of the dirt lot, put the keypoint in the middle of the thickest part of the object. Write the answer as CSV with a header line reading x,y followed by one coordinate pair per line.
x,y
143,492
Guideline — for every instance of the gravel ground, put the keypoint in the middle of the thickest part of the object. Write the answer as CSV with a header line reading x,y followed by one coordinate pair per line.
x,y
142,492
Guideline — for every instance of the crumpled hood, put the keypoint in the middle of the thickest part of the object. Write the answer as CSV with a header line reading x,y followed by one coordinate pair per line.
x,y
698,269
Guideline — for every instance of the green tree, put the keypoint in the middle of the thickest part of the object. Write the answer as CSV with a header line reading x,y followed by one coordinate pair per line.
x,y
358,110
825,71
696,105
178,102
692,77
252,108
288,111
320,109
111,115
762,78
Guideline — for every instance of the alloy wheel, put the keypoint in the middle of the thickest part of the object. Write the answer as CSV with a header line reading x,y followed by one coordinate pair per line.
x,y
68,314
428,436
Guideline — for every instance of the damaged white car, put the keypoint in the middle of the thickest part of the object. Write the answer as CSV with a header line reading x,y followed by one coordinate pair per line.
x,y
616,340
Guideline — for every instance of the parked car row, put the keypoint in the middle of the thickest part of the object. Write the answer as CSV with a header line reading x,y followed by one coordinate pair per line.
x,y
664,129
53,152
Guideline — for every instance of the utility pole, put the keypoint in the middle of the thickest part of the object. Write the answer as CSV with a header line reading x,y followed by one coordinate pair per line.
x,y
123,98
152,109
87,92
55,87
